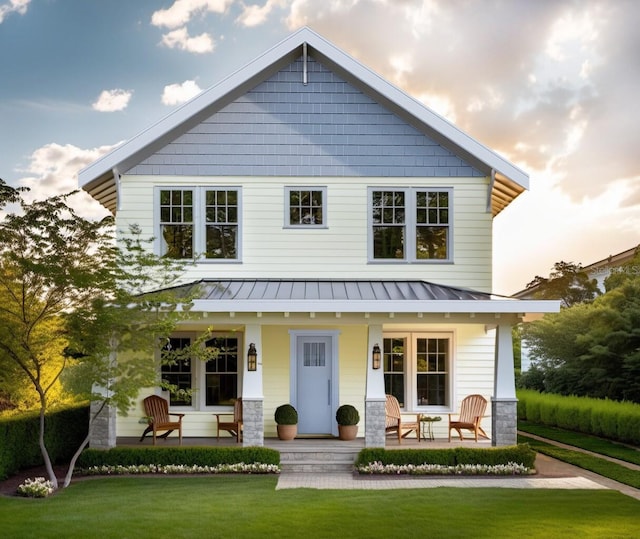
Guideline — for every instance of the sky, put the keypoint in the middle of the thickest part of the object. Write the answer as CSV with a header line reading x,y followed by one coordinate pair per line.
x,y
551,85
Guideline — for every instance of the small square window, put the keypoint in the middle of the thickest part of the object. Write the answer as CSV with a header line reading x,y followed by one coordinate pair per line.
x,y
305,207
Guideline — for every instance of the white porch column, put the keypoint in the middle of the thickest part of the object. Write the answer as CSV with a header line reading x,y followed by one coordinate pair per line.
x,y
374,417
252,392
504,420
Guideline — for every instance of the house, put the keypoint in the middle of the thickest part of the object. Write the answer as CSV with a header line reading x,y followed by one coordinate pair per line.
x,y
335,215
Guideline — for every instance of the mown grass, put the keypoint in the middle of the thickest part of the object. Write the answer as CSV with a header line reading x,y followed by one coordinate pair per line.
x,y
590,443
594,464
249,506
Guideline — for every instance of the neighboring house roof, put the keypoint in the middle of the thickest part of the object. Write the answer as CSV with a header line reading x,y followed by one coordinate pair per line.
x,y
348,296
100,179
599,270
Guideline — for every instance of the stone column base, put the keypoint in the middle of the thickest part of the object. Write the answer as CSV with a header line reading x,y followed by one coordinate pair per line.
x,y
253,422
103,432
374,423
504,421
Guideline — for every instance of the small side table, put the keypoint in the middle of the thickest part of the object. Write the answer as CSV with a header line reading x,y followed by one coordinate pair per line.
x,y
426,426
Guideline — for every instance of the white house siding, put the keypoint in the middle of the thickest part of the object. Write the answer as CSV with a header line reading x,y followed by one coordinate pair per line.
x,y
269,250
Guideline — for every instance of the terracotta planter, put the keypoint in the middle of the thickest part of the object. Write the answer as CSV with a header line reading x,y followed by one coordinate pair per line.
x,y
347,432
287,432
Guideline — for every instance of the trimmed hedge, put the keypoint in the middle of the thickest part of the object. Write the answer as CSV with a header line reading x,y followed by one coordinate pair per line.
x,y
519,454
65,429
618,421
187,456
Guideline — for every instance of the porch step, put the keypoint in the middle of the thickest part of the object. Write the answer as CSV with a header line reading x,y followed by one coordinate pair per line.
x,y
316,460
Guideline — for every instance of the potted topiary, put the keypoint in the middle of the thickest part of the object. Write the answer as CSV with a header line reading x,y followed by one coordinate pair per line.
x,y
347,417
286,418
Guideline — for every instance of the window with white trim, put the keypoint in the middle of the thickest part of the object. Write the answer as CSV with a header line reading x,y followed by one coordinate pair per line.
x,y
410,224
199,221
305,207
417,369
201,384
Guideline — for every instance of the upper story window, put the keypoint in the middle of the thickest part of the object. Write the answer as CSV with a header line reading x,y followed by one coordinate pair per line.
x,y
410,224
305,207
200,221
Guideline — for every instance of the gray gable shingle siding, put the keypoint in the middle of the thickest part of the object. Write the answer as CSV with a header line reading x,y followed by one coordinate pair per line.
x,y
285,128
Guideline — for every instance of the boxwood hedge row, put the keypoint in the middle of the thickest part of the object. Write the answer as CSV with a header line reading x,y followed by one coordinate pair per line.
x,y
618,421
65,429
188,456
519,454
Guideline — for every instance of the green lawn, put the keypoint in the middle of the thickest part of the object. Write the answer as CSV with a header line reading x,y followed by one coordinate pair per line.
x,y
249,506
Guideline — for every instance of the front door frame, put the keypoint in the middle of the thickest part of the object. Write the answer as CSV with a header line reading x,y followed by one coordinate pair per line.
x,y
294,334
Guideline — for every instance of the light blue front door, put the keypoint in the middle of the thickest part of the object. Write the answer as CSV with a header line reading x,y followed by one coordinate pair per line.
x,y
315,391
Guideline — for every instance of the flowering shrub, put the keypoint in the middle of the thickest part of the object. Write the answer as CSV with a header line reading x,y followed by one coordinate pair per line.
x,y
510,468
36,488
240,467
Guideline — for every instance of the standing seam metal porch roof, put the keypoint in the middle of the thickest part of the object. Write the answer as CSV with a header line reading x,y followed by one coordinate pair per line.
x,y
328,290
349,296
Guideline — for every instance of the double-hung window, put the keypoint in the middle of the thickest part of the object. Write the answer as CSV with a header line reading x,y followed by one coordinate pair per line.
x,y
200,221
417,369
201,382
305,207
410,224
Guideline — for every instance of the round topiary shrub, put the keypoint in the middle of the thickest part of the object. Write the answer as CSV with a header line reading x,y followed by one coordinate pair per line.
x,y
286,414
347,415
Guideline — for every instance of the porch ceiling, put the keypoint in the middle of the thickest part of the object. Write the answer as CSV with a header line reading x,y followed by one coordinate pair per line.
x,y
349,296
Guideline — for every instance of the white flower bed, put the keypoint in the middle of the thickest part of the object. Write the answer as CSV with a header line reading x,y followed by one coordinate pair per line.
x,y
240,467
36,488
438,469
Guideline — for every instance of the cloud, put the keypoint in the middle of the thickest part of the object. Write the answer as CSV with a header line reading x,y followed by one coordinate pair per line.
x,y
112,100
174,94
14,6
182,11
53,170
255,15
180,39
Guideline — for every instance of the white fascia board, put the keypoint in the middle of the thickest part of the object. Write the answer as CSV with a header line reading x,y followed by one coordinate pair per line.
x,y
328,306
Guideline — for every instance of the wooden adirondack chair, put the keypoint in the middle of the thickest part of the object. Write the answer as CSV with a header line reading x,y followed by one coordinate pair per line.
x,y
471,412
157,411
233,427
395,422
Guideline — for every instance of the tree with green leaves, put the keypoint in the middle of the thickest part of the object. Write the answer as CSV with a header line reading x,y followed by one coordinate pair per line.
x,y
567,282
72,301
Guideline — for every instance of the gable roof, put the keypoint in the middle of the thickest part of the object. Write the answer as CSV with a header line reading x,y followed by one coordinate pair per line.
x,y
100,179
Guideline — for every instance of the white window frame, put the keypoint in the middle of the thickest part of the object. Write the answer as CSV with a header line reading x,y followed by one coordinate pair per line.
x,y
199,373
410,226
287,206
199,220
411,369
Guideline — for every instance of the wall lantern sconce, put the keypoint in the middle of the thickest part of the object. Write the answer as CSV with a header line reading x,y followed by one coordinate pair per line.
x,y
252,358
375,356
